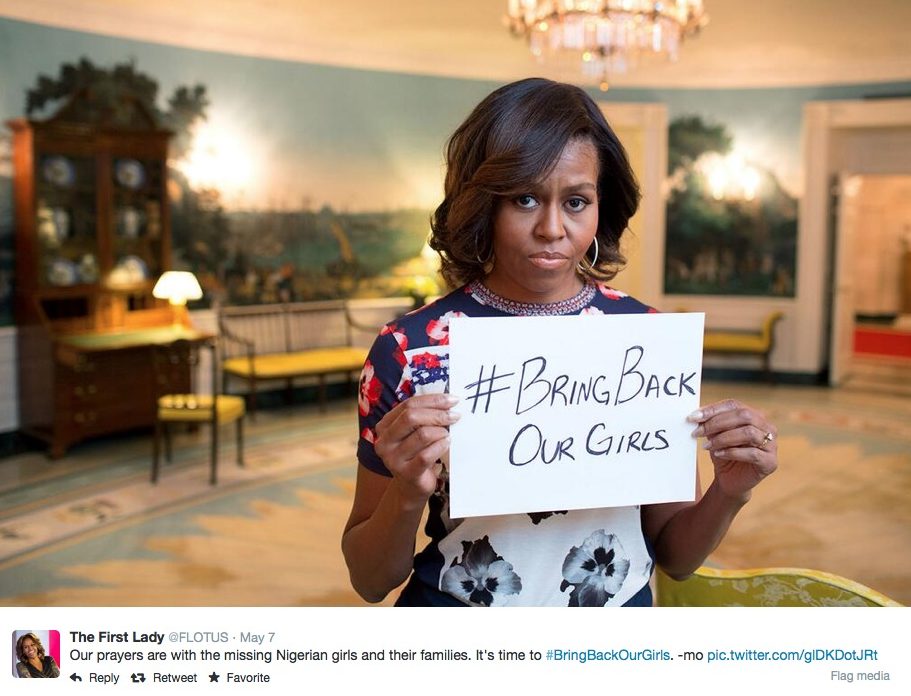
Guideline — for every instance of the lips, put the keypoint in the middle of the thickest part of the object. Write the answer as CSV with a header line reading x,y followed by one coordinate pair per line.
x,y
548,260
552,255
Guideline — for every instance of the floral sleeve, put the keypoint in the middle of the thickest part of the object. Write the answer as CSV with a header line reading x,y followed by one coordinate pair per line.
x,y
378,391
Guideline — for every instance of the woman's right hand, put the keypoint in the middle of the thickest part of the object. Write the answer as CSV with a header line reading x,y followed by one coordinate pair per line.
x,y
411,439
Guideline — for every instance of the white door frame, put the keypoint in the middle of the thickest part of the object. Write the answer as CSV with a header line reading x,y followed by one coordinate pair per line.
x,y
651,120
841,335
822,121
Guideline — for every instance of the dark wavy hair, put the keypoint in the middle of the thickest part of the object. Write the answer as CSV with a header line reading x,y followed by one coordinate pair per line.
x,y
512,140
36,640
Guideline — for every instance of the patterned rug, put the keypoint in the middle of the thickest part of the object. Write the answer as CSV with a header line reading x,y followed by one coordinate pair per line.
x,y
269,534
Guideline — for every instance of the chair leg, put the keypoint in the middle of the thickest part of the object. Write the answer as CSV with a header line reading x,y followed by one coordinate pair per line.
x,y
240,441
767,368
252,394
156,447
322,393
213,476
167,442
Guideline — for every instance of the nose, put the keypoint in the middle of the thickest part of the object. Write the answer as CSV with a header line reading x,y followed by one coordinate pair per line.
x,y
550,224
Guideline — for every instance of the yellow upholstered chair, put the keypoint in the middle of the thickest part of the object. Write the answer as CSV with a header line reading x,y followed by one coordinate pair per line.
x,y
766,587
175,367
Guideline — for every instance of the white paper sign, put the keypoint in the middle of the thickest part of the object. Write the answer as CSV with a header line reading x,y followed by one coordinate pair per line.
x,y
565,413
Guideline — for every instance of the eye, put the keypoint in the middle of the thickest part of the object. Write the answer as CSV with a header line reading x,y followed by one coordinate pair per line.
x,y
526,201
576,204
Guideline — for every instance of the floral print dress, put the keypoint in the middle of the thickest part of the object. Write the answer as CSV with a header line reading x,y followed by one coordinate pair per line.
x,y
563,558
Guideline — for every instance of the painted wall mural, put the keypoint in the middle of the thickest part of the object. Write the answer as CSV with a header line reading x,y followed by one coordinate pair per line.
x,y
302,181
731,225
287,181
242,255
7,261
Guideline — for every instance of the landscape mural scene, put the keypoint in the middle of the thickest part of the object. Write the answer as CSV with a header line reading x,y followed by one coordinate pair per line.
x,y
244,254
731,225
300,181
286,181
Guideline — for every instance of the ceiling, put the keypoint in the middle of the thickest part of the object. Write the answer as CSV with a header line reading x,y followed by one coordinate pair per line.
x,y
748,43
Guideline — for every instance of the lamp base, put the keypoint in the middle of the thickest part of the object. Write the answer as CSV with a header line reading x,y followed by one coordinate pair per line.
x,y
179,315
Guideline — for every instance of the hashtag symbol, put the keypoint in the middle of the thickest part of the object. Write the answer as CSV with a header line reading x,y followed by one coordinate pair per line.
x,y
550,654
486,382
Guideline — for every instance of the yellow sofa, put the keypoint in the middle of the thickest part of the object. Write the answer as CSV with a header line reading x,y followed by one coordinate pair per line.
x,y
286,341
759,343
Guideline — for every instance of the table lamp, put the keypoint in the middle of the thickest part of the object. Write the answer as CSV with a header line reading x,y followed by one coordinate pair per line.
x,y
177,287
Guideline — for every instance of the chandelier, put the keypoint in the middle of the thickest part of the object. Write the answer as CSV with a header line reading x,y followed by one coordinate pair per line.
x,y
609,36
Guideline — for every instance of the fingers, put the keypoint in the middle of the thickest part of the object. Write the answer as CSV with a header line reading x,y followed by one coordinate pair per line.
x,y
426,459
762,462
410,446
731,415
729,425
414,436
742,442
744,436
425,409
705,412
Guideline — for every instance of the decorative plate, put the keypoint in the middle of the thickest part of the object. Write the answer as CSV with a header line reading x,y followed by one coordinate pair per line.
x,y
62,272
129,173
59,171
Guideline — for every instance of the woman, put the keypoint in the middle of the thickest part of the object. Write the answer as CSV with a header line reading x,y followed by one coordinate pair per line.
x,y
32,660
538,192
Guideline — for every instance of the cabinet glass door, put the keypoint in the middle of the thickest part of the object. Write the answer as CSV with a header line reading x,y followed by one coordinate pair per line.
x,y
66,221
137,237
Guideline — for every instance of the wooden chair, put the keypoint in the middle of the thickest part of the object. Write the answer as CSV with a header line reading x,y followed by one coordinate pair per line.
x,y
766,587
175,366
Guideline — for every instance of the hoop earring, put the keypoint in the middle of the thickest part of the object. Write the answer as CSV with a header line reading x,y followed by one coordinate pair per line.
x,y
477,255
591,264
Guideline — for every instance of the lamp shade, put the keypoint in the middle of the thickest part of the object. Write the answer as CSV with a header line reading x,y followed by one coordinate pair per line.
x,y
177,287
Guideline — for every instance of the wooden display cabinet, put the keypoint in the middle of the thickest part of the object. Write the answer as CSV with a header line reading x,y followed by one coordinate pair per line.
x,y
92,237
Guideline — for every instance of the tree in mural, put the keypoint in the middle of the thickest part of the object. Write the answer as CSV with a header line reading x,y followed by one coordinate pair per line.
x,y
724,235
111,96
689,138
201,232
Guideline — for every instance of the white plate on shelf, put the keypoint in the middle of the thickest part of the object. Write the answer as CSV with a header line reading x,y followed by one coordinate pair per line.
x,y
58,170
130,173
62,272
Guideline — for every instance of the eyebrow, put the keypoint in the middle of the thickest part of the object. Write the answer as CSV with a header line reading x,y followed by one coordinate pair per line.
x,y
582,185
572,188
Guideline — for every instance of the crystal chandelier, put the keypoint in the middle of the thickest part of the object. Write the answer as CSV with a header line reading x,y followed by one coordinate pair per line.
x,y
609,36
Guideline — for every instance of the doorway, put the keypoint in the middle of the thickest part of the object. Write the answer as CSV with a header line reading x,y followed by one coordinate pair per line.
x,y
861,138
871,342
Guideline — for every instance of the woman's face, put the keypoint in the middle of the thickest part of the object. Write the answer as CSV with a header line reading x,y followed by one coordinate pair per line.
x,y
29,649
540,235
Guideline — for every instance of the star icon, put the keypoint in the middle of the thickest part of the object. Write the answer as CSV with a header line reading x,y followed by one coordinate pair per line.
x,y
213,677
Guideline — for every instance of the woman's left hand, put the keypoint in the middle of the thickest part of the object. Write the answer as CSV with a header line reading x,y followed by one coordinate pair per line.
x,y
742,443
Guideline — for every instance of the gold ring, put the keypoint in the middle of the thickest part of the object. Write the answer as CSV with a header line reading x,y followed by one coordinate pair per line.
x,y
769,437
